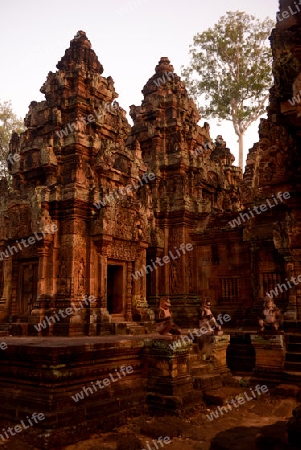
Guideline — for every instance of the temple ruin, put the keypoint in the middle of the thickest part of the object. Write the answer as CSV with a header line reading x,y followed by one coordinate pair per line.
x,y
78,153
106,218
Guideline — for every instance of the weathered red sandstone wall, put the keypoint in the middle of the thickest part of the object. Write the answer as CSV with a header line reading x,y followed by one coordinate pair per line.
x,y
273,166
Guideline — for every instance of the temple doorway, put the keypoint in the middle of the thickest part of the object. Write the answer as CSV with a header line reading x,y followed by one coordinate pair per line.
x,y
28,283
115,292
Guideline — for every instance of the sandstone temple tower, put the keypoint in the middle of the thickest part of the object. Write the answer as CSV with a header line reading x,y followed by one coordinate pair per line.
x,y
78,150
195,181
69,162
78,155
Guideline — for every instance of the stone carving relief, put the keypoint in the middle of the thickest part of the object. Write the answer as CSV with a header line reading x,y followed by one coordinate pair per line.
x,y
81,278
20,221
122,250
63,282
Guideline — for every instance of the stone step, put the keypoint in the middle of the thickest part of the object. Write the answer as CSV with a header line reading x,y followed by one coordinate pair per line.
x,y
293,347
292,376
135,329
292,366
293,356
132,328
199,370
205,382
292,326
294,338
6,332
223,395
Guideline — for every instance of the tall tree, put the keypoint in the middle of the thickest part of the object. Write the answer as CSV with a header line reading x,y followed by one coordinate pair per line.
x,y
9,122
231,67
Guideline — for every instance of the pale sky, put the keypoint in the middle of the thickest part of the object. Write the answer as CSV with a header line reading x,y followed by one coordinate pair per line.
x,y
128,43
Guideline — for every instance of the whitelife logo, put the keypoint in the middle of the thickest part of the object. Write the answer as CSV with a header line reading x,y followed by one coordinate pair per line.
x,y
166,440
125,191
205,329
31,240
295,100
162,80
262,207
286,14
76,126
68,312
166,260
274,292
240,400
35,417
106,382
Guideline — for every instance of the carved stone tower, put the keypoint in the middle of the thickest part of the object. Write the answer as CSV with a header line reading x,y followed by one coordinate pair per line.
x,y
73,160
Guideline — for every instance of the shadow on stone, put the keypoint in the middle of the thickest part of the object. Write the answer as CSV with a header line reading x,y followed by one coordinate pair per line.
x,y
270,437
128,441
170,426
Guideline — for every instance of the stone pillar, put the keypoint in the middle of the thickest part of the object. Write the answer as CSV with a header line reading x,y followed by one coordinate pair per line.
x,y
291,310
297,266
154,291
140,306
166,288
128,313
255,271
102,243
170,386
5,306
143,248
43,252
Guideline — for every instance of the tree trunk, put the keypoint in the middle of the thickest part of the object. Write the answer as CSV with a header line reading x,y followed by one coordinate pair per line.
x,y
241,151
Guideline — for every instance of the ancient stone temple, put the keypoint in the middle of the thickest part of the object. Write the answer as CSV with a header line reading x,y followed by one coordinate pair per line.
x,y
135,213
105,219
273,166
96,205
73,156
195,181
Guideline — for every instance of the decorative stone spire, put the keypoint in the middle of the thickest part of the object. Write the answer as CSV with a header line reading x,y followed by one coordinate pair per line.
x,y
80,54
72,162
164,75
164,66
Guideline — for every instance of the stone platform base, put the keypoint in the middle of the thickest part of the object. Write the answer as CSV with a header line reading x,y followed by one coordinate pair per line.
x,y
40,375
87,384
170,384
270,357
61,330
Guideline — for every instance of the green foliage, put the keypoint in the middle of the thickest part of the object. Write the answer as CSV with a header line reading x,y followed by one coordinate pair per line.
x,y
231,66
9,122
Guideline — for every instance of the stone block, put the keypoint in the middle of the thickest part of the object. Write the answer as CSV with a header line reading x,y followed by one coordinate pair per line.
x,y
270,351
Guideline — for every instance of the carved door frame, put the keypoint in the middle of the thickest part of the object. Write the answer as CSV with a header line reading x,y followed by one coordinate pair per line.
x,y
119,316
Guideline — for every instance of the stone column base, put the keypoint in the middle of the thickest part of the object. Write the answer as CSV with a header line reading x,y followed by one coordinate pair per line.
x,y
214,350
270,353
170,386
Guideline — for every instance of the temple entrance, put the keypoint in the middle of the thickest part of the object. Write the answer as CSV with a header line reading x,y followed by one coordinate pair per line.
x,y
28,283
115,292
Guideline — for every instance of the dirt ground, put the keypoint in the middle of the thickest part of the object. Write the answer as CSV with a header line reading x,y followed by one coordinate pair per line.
x,y
259,424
